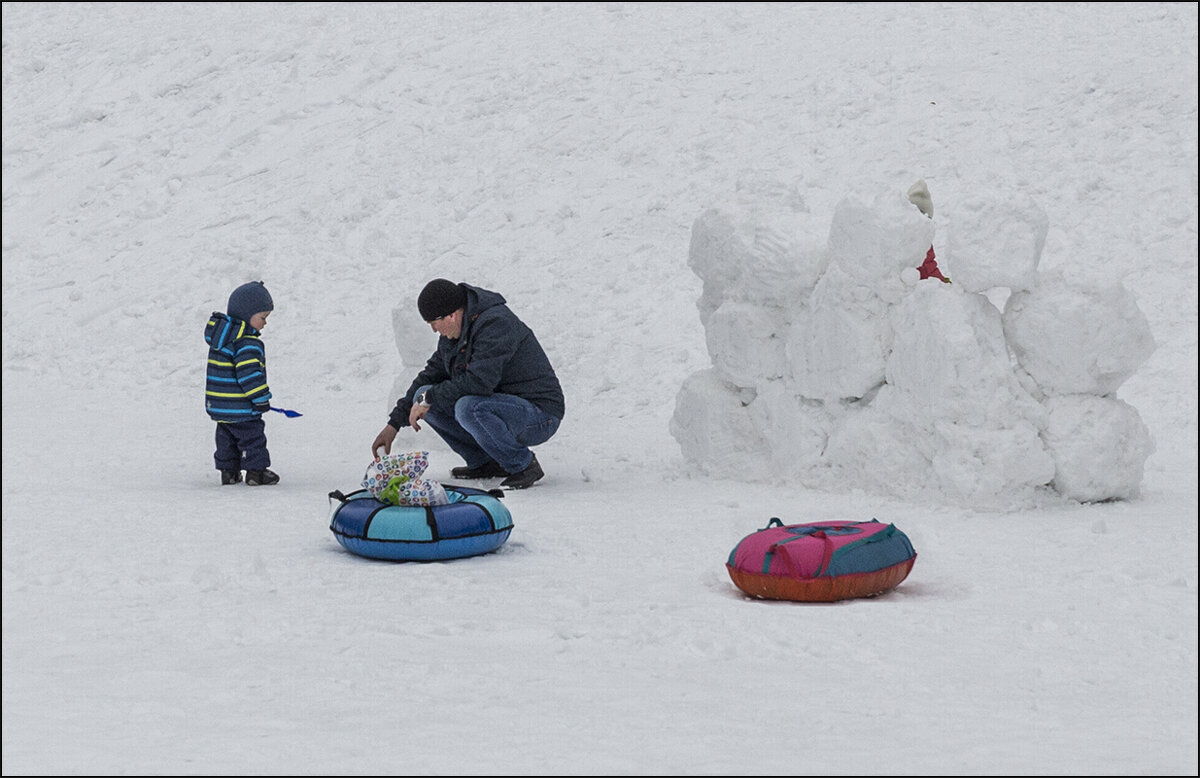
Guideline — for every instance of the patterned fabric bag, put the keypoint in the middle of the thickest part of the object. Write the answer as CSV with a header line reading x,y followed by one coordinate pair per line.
x,y
397,479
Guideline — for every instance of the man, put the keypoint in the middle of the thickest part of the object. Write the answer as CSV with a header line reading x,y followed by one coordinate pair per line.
x,y
489,390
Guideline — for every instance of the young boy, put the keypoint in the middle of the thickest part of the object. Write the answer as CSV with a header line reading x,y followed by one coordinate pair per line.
x,y
236,395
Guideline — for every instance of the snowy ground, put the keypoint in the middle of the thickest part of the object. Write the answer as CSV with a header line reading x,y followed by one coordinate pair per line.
x,y
156,156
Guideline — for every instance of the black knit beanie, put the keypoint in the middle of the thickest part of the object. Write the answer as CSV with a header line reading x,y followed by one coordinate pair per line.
x,y
440,298
249,299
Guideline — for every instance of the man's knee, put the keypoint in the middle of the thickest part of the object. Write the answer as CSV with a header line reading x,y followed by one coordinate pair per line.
x,y
464,408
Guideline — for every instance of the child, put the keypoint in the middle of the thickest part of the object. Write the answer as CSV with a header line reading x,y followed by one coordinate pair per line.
x,y
236,395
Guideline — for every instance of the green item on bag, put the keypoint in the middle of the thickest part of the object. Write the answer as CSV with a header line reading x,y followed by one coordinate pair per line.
x,y
391,492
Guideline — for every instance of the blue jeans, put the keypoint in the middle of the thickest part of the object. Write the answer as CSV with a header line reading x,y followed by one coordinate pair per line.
x,y
499,427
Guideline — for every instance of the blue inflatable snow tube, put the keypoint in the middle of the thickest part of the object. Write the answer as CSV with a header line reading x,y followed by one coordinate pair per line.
x,y
473,523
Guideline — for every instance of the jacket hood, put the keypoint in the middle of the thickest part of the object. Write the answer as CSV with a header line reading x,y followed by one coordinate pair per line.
x,y
223,331
479,300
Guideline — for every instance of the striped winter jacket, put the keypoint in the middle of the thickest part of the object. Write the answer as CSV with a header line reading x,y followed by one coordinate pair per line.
x,y
237,371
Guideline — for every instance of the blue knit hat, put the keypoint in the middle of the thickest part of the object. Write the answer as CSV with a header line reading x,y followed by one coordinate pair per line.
x,y
249,299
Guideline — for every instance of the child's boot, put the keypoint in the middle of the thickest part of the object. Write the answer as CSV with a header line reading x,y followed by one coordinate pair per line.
x,y
261,478
231,477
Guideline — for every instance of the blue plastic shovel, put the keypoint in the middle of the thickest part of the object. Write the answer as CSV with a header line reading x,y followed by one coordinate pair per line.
x,y
286,412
